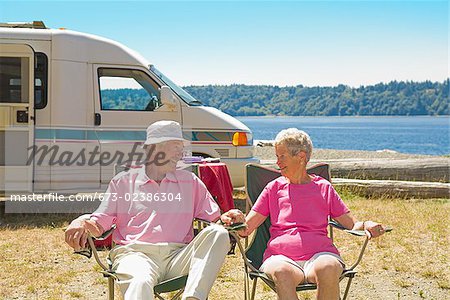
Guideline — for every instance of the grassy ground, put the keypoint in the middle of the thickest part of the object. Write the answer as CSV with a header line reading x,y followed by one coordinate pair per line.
x,y
412,262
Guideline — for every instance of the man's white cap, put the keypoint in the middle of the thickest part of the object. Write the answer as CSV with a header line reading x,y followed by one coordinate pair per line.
x,y
162,131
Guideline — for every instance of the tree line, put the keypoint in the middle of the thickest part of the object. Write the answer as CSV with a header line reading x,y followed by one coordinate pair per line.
x,y
394,98
124,99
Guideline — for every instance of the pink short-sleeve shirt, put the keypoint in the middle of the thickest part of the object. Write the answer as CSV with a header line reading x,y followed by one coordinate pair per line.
x,y
150,213
299,216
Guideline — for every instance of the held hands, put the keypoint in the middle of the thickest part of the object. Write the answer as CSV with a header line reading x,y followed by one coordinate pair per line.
x,y
76,233
232,217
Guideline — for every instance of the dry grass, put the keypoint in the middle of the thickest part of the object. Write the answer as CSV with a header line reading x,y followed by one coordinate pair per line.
x,y
409,263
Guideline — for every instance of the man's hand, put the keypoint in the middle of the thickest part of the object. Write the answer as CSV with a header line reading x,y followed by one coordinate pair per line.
x,y
76,233
232,216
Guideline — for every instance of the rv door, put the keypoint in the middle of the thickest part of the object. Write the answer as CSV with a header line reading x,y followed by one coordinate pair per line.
x,y
127,100
16,117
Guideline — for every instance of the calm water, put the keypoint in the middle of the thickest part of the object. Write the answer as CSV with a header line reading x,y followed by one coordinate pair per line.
x,y
418,135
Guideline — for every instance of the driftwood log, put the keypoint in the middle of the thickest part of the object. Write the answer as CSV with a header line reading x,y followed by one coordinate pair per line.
x,y
424,169
424,177
395,189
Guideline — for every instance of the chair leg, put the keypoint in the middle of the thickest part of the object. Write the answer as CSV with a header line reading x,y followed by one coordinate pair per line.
x,y
347,289
246,287
110,288
159,297
178,294
254,289
246,284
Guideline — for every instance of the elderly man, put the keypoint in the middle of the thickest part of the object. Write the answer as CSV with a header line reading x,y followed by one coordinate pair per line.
x,y
153,208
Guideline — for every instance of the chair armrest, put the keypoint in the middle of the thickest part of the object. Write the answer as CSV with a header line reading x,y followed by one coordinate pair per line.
x,y
233,227
361,233
92,250
88,250
336,225
105,234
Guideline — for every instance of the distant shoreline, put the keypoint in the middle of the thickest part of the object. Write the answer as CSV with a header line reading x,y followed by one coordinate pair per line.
x,y
354,116
422,135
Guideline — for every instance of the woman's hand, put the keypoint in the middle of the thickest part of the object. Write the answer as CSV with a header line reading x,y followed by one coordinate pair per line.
x,y
373,229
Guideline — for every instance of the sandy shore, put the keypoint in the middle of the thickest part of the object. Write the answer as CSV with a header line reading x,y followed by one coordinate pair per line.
x,y
268,153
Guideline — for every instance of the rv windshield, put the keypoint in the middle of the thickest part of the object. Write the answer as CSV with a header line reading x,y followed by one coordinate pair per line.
x,y
179,91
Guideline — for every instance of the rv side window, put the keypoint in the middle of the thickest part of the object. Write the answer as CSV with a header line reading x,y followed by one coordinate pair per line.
x,y
123,89
14,74
40,80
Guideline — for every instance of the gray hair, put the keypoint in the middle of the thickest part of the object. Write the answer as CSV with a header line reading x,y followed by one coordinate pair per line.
x,y
296,141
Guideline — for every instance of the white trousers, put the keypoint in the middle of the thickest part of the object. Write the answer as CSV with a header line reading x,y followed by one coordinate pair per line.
x,y
141,266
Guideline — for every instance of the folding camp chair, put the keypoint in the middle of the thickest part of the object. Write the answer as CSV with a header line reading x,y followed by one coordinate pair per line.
x,y
257,178
175,284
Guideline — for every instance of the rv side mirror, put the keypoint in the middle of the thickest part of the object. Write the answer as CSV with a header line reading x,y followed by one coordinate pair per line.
x,y
167,97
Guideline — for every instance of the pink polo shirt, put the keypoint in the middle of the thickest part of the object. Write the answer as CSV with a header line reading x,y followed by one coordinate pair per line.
x,y
299,216
147,212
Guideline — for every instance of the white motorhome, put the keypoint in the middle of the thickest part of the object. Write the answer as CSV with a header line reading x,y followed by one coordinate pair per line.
x,y
72,105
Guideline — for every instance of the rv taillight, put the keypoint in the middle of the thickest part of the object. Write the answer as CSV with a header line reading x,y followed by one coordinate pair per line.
x,y
240,139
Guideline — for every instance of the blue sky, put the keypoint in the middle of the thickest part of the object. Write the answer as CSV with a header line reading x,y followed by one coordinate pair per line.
x,y
265,42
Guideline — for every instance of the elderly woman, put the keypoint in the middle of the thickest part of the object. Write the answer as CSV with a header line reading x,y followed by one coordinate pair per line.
x,y
299,205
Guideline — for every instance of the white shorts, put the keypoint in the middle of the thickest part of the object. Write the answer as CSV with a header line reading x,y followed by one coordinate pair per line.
x,y
304,265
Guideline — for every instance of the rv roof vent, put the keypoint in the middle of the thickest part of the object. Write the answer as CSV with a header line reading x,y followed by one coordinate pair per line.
x,y
34,25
